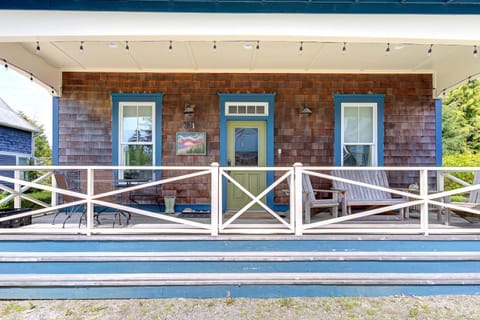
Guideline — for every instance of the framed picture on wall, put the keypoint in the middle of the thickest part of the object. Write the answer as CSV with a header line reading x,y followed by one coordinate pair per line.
x,y
191,143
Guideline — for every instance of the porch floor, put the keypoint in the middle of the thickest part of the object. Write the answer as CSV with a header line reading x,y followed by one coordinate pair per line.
x,y
384,221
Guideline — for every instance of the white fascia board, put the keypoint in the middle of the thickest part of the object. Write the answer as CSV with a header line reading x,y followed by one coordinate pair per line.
x,y
68,26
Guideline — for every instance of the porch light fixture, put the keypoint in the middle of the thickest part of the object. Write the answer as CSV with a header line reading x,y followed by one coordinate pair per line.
x,y
37,49
306,109
300,50
387,51
429,52
475,51
170,46
344,48
81,46
188,116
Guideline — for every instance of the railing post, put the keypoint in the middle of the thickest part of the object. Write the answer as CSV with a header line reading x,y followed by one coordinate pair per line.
x,y
90,193
424,194
215,199
17,201
297,198
53,199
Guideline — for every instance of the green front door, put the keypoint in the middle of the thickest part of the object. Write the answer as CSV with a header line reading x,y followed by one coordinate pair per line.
x,y
246,147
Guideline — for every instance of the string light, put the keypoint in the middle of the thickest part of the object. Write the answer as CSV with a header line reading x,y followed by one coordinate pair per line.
x,y
81,46
127,47
214,45
344,48
258,45
5,64
31,77
387,51
475,51
26,73
37,49
300,50
429,52
170,46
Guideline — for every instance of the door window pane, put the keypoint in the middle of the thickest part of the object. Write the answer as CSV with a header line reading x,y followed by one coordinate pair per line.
x,y
246,146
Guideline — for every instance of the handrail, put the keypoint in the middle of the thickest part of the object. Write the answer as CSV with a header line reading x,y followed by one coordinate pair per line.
x,y
424,200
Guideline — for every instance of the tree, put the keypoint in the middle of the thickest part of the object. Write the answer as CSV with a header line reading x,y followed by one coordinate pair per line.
x,y
461,120
42,147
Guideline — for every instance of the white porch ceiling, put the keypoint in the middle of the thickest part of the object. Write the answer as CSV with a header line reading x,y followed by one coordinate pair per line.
x,y
193,35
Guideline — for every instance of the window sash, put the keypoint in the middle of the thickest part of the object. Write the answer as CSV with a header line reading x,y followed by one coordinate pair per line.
x,y
133,119
359,148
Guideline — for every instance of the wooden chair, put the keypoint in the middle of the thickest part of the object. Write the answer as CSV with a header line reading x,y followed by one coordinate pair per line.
x,y
311,200
358,196
473,202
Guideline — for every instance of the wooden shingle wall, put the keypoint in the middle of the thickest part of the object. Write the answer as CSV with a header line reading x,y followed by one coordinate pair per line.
x,y
85,113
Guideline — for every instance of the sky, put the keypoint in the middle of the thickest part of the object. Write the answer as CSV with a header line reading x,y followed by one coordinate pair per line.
x,y
24,95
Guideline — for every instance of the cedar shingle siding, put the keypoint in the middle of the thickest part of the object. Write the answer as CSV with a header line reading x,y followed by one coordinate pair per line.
x,y
85,113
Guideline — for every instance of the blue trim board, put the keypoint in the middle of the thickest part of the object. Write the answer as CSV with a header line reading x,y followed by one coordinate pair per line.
x,y
254,6
55,130
373,98
438,133
126,97
270,121
219,267
293,245
237,291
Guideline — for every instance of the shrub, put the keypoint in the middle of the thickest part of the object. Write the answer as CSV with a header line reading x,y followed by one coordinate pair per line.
x,y
460,160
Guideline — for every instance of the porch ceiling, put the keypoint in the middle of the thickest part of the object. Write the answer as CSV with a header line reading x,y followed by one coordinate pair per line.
x,y
279,37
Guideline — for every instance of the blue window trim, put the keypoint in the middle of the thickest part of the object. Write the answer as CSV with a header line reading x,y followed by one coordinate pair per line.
x,y
253,97
133,97
55,130
438,133
368,98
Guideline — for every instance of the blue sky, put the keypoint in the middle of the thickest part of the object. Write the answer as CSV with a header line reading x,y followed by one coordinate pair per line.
x,y
24,95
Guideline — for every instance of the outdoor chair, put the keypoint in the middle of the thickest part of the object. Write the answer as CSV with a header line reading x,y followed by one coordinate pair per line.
x,y
473,202
359,196
312,200
63,184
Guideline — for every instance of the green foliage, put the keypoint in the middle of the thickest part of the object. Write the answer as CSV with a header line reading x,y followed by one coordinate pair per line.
x,y
461,119
44,196
42,147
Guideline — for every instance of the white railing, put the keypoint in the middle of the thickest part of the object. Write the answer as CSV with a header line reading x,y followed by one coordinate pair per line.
x,y
103,192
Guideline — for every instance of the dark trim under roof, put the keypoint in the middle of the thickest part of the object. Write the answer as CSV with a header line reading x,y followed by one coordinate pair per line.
x,y
254,6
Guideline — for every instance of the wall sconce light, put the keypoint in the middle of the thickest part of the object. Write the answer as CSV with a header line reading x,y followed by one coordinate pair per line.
x,y
189,116
306,109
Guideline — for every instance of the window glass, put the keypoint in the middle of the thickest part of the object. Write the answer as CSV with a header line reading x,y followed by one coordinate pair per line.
x,y
358,145
136,147
246,146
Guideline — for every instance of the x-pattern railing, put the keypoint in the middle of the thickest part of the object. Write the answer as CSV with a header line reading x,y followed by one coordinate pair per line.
x,y
290,222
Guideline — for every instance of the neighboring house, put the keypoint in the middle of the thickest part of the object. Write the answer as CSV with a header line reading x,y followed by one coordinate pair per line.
x,y
17,144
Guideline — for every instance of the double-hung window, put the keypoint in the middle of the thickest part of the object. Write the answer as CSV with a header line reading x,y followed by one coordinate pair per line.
x,y
136,134
359,137
358,130
137,142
